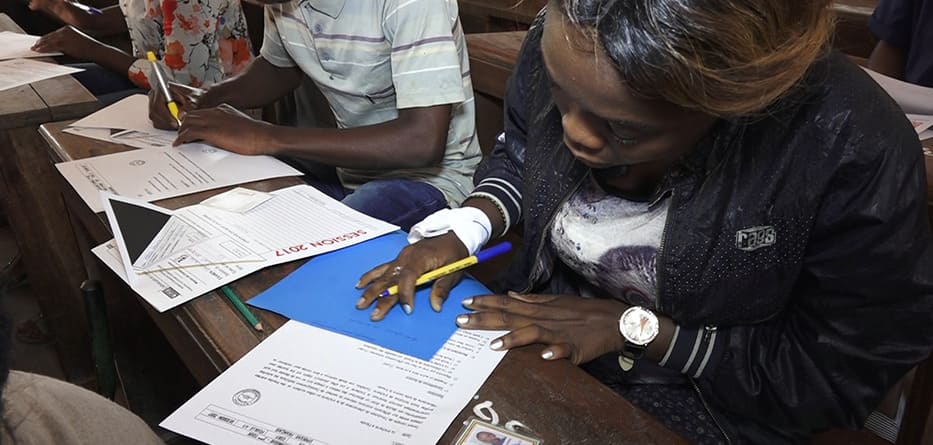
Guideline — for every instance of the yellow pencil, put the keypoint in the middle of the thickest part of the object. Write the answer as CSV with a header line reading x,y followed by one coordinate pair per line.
x,y
458,265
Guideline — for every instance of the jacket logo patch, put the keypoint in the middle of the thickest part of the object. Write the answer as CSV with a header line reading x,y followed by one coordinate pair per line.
x,y
754,238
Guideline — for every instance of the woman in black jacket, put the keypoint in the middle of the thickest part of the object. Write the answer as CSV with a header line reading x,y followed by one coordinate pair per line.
x,y
722,219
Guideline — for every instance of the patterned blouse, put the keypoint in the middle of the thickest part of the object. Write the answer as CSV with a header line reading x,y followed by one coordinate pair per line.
x,y
198,42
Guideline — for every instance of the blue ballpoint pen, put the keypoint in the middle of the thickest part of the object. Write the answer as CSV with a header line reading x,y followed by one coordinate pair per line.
x,y
88,9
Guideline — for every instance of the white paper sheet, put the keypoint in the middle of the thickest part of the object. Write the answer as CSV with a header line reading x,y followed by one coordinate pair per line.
x,y
18,72
130,113
205,248
304,385
158,173
14,45
912,98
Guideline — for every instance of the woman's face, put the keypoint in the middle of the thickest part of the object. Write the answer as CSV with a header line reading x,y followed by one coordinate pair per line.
x,y
605,125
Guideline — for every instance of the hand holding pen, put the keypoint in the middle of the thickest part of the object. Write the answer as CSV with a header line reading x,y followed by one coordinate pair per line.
x,y
162,86
441,258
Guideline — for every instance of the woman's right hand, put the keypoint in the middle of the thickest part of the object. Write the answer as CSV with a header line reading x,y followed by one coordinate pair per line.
x,y
413,261
187,98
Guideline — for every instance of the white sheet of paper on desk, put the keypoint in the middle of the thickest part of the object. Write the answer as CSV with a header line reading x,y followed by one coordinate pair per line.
x,y
130,113
132,138
14,45
159,173
912,98
178,238
304,385
296,223
19,72
127,122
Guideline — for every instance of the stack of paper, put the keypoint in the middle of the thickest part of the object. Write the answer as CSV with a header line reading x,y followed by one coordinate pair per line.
x,y
170,257
158,170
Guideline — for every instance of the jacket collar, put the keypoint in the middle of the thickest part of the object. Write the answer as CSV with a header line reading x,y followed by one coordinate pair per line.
x,y
331,8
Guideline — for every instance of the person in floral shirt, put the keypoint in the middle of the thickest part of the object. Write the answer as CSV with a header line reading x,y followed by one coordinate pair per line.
x,y
198,42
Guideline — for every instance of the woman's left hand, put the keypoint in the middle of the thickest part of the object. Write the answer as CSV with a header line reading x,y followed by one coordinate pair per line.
x,y
576,328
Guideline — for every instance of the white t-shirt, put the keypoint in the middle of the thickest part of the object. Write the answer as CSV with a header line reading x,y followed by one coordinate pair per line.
x,y
371,58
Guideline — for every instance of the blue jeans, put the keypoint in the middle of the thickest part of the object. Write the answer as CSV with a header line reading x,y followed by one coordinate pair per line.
x,y
107,86
403,202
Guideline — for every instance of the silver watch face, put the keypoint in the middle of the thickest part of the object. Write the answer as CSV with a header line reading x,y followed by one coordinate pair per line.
x,y
638,325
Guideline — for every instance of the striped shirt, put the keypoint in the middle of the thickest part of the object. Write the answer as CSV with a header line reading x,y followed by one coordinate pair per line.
x,y
371,58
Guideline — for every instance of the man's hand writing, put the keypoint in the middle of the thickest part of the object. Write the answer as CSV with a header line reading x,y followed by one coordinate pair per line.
x,y
187,99
227,128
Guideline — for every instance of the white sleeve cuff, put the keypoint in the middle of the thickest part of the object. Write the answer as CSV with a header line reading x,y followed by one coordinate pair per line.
x,y
470,224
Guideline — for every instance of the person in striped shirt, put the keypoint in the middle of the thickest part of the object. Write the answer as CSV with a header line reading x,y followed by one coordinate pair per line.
x,y
396,76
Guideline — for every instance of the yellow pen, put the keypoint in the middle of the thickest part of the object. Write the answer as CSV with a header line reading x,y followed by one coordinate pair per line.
x,y
458,265
160,79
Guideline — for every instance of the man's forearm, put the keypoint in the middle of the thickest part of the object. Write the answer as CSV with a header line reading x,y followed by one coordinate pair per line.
x,y
260,84
416,139
111,58
888,59
110,22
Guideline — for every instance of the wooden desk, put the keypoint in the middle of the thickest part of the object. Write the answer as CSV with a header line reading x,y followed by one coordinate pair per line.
x,y
558,400
35,211
498,15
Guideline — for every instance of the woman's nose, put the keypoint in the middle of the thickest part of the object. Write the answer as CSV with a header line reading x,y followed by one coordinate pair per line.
x,y
580,131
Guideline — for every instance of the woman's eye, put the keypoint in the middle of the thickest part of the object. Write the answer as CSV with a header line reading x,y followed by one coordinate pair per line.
x,y
626,141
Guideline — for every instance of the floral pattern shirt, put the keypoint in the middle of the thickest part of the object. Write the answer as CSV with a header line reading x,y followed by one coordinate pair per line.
x,y
198,42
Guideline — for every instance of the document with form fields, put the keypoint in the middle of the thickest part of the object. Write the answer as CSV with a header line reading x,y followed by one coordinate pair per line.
x,y
305,385
157,170
170,257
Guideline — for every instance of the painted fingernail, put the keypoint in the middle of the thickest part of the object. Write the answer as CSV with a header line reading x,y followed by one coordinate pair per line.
x,y
496,345
467,301
360,302
375,313
547,355
407,309
463,319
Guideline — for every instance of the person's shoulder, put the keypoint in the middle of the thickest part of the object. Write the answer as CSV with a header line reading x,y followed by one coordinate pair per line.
x,y
47,410
843,103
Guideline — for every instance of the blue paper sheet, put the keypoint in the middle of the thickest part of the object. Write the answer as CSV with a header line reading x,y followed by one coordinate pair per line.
x,y
322,293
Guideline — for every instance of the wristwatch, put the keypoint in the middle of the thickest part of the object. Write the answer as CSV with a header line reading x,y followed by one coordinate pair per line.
x,y
638,327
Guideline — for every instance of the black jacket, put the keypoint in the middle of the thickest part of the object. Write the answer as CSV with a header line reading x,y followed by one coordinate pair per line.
x,y
796,258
